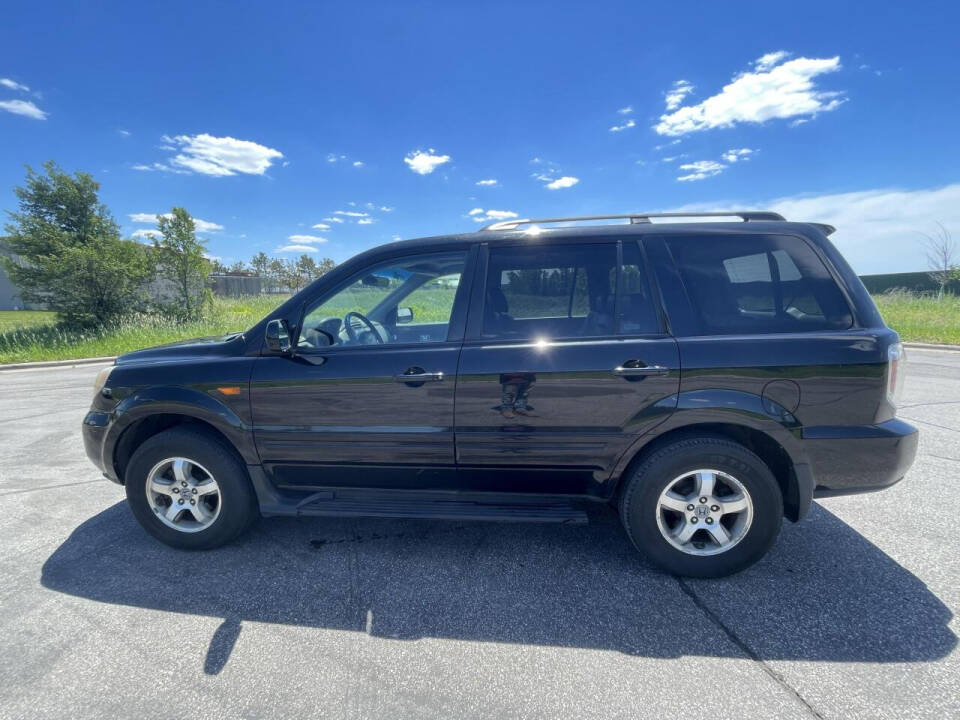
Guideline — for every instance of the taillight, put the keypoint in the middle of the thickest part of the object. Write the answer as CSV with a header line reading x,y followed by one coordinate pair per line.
x,y
896,360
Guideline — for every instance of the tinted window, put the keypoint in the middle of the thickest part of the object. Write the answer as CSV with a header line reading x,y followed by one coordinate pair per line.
x,y
759,284
638,313
563,291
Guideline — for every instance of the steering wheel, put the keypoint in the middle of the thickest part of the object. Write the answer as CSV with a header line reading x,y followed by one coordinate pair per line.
x,y
352,332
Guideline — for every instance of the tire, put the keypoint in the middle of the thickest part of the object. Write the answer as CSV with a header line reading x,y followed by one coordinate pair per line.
x,y
751,531
223,510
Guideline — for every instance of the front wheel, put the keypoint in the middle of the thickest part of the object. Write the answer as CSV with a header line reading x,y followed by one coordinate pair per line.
x,y
188,490
702,507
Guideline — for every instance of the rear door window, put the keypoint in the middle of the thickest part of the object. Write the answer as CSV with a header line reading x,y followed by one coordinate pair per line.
x,y
745,284
566,291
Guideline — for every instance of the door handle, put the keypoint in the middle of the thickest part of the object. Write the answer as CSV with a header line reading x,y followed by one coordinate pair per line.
x,y
635,369
417,375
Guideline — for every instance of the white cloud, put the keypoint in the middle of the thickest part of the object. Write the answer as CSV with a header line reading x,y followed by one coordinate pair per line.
x,y
205,226
334,157
563,182
486,183
125,133
623,126
320,226
673,158
665,145
13,85
365,221
626,110
772,90
701,169
675,96
351,213
425,162
358,163
295,248
333,219
218,156
306,239
144,233
736,154
480,215
202,226
386,208
23,107
878,230
143,167
766,62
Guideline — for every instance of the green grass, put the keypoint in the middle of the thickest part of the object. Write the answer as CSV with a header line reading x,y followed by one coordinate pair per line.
x,y
922,318
57,342
17,319
30,335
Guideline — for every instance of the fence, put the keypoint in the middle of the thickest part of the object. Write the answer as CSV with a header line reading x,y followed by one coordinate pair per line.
x,y
918,282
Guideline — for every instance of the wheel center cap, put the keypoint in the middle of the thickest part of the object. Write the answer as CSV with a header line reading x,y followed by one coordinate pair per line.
x,y
701,511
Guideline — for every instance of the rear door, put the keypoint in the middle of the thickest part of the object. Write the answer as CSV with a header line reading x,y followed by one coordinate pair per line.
x,y
566,362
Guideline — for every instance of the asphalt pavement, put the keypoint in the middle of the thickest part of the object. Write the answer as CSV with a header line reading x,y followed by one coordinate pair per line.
x,y
852,614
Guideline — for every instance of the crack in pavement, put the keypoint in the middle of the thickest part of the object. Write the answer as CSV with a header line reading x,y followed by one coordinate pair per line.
x,y
50,487
746,649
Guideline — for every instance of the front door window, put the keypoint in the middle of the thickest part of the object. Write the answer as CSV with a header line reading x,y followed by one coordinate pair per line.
x,y
406,300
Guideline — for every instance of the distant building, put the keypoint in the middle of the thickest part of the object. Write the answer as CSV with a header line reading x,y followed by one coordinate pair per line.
x,y
10,293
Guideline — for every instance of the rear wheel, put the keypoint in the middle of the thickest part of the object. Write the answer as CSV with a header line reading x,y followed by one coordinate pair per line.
x,y
702,507
188,490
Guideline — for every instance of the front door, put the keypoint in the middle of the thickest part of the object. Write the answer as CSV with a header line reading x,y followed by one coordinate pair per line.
x,y
565,365
366,400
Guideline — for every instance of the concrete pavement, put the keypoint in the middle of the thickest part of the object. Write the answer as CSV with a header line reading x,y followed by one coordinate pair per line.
x,y
852,615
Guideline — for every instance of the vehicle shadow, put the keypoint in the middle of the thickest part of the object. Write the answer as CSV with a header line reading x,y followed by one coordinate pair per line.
x,y
824,592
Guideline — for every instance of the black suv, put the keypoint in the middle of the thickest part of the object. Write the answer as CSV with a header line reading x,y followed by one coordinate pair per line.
x,y
708,377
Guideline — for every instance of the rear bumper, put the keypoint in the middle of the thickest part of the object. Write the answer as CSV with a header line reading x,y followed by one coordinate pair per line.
x,y
857,459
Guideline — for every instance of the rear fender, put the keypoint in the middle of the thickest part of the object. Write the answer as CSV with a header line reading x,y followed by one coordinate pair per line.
x,y
731,408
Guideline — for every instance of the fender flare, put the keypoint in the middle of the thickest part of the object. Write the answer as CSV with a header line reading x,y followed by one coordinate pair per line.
x,y
177,400
742,409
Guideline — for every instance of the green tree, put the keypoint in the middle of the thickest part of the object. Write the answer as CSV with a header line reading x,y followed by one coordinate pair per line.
x,y
325,266
277,274
260,264
67,253
307,269
180,256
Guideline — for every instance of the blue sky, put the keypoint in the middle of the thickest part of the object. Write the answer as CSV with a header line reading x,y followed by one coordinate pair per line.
x,y
265,120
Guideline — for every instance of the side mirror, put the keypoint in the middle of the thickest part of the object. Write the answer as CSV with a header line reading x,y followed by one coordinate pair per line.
x,y
278,336
404,315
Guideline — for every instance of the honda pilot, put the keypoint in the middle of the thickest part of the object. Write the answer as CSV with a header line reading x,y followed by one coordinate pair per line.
x,y
706,376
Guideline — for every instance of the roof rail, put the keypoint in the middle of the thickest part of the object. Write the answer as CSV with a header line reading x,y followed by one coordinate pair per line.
x,y
636,218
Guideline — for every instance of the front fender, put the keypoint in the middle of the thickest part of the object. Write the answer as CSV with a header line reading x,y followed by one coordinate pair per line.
x,y
188,402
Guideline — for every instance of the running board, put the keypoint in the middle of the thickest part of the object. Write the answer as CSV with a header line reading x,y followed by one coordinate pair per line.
x,y
434,506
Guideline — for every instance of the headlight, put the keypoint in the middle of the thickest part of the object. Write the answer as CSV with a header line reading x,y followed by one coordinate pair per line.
x,y
101,380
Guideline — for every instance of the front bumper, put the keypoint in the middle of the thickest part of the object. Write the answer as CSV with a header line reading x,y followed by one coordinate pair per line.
x,y
94,431
857,459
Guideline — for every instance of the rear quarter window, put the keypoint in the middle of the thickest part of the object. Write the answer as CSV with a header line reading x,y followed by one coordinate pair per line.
x,y
750,284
